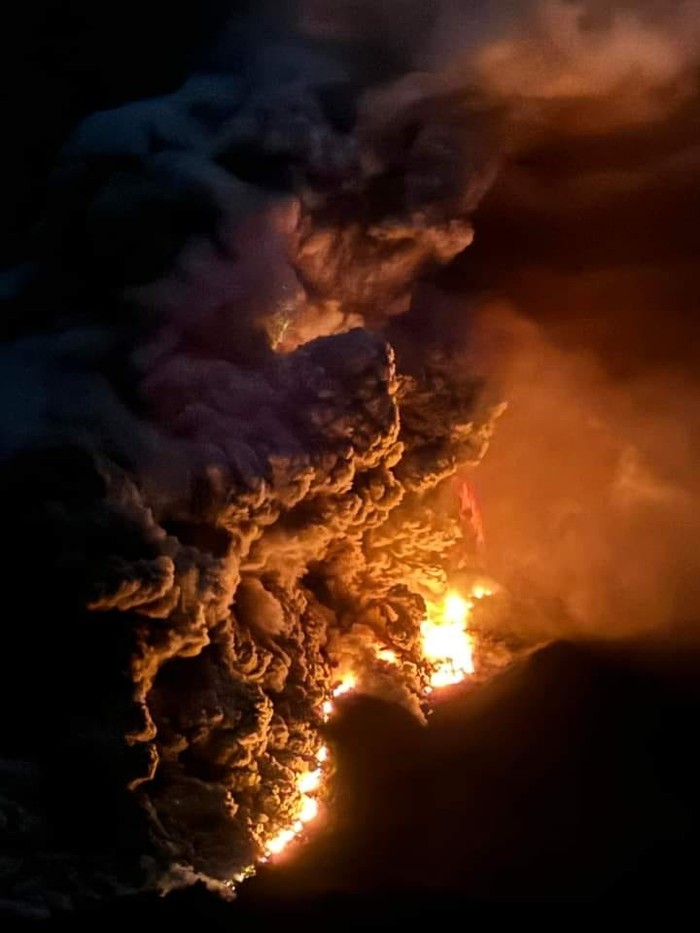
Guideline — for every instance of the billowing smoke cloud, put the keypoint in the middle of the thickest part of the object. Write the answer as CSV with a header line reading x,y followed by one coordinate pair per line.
x,y
560,49
534,57
220,486
236,403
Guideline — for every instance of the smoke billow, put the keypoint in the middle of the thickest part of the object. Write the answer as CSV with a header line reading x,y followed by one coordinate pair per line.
x,y
237,394
221,486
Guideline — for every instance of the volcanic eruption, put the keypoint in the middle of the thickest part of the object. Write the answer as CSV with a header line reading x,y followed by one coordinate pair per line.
x,y
239,468
243,492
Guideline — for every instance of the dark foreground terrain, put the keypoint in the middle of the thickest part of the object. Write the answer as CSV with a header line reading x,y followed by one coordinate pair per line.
x,y
572,778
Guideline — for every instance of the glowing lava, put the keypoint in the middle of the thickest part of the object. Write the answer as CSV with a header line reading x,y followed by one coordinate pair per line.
x,y
388,656
347,684
309,784
447,644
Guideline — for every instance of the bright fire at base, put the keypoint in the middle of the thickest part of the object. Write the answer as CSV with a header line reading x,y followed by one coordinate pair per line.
x,y
446,646
309,784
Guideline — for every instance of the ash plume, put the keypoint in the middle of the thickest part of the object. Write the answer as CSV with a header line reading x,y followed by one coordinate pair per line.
x,y
240,378
214,473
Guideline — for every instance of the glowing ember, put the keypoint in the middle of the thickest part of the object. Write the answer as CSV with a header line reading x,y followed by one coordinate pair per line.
x,y
348,683
280,842
310,781
309,784
388,656
309,809
447,644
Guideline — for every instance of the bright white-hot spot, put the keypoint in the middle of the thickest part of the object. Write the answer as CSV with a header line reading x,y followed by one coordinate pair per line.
x,y
308,785
446,641
279,842
310,781
346,685
388,656
309,809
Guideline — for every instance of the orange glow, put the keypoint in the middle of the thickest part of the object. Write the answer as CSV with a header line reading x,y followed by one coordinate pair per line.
x,y
309,809
309,784
388,656
447,643
279,842
348,683
310,781
446,646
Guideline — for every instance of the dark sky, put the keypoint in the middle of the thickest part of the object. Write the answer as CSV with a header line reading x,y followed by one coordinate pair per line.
x,y
67,58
